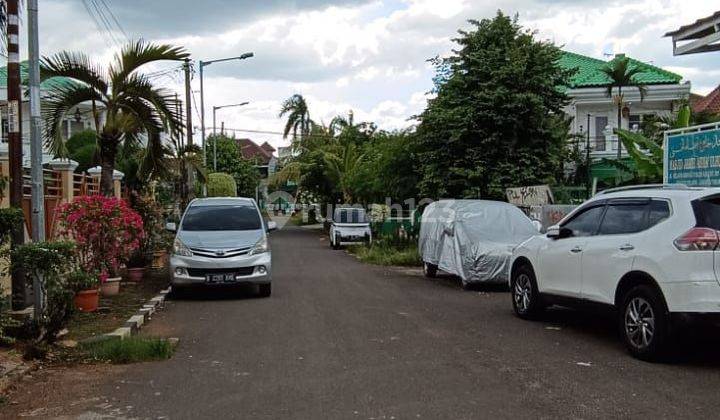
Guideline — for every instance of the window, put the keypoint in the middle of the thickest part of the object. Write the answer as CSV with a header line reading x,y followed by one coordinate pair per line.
x,y
586,222
707,212
214,218
659,210
350,216
635,122
624,219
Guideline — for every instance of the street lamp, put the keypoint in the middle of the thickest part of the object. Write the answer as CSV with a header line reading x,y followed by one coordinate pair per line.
x,y
202,64
215,108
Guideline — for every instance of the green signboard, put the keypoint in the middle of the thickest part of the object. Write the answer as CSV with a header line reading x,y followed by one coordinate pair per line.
x,y
692,156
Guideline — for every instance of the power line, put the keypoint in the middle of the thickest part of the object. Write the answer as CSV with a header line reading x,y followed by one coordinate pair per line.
x,y
278,133
115,19
98,26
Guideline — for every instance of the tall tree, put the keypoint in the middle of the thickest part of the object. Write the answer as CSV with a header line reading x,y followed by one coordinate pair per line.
x,y
132,105
622,74
493,122
298,117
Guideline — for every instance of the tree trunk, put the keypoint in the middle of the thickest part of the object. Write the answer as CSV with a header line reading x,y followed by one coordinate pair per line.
x,y
108,153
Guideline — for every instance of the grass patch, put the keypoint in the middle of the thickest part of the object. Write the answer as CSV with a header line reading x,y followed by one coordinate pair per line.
x,y
129,350
381,254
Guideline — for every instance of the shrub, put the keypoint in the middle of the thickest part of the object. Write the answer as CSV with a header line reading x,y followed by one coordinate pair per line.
x,y
78,281
106,229
150,212
51,262
221,185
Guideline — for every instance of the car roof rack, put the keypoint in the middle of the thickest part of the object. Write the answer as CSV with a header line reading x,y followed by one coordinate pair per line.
x,y
646,187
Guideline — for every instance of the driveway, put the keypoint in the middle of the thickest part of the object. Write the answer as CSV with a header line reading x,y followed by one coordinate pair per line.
x,y
339,339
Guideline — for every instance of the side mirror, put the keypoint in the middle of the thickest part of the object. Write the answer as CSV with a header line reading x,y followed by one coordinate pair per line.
x,y
172,227
271,225
557,232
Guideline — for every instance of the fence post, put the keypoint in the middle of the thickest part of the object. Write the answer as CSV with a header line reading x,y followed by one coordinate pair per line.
x,y
117,177
66,168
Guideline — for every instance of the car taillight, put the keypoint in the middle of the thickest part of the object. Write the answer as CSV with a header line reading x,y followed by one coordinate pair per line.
x,y
698,239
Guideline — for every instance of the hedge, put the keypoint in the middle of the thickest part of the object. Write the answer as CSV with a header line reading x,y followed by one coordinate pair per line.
x,y
221,184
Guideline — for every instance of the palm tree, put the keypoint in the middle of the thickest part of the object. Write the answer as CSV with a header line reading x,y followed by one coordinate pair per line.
x,y
622,74
298,117
342,163
132,104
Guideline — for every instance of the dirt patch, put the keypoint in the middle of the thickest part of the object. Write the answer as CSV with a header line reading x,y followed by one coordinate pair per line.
x,y
56,392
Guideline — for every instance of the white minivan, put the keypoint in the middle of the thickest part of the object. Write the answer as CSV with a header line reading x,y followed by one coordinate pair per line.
x,y
222,241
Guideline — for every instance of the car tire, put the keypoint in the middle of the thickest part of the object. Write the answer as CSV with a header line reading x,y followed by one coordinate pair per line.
x,y
430,270
265,290
645,323
526,300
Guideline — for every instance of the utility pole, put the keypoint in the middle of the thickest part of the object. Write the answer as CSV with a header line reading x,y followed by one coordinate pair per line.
x,y
190,175
15,142
587,155
36,149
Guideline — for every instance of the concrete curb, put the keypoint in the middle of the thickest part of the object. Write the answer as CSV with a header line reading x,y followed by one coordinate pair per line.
x,y
133,325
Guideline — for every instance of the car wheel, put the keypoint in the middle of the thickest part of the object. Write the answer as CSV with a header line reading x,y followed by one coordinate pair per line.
x,y
265,290
430,270
526,299
644,323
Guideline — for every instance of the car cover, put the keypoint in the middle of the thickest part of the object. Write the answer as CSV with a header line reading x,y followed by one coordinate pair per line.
x,y
473,239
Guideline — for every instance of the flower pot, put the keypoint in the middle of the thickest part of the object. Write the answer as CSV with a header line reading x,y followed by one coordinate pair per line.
x,y
135,274
158,259
87,300
110,287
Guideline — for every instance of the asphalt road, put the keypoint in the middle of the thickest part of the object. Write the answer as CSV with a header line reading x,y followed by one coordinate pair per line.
x,y
339,339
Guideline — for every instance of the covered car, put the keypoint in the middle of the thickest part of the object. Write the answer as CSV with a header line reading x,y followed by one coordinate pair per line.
x,y
472,239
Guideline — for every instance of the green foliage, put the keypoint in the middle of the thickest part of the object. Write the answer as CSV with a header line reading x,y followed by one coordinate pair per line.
x,y
650,164
10,219
52,261
497,119
298,117
230,161
380,253
221,185
129,350
80,280
82,148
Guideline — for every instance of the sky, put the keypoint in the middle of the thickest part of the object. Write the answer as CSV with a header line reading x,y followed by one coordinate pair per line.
x,y
368,56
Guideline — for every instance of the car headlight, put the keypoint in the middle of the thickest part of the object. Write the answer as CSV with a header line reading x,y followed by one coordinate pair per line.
x,y
260,246
179,248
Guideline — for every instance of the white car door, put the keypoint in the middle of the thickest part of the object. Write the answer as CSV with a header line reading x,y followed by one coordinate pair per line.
x,y
560,269
609,255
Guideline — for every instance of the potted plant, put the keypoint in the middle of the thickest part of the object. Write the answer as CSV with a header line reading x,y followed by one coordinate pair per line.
x,y
85,286
136,265
107,232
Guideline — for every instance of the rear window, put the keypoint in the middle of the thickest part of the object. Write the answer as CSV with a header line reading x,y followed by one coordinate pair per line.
x,y
214,218
707,212
625,219
349,216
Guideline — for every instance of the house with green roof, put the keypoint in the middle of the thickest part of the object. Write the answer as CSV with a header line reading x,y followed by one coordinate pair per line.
x,y
595,113
77,119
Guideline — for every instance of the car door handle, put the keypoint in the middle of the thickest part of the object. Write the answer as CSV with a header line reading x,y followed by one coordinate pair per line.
x,y
576,250
626,247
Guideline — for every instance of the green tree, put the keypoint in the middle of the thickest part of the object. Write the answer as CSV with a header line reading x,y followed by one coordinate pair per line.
x,y
494,121
82,148
230,160
132,105
298,117
622,74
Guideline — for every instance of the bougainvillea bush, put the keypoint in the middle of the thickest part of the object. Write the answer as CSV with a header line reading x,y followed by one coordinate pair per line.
x,y
107,232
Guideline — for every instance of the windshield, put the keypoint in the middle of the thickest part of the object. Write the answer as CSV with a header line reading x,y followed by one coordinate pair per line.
x,y
349,216
204,218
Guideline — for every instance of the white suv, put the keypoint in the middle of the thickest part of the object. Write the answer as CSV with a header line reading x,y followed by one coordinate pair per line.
x,y
649,252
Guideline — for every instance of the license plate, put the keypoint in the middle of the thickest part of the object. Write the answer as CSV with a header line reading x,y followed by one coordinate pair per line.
x,y
220,278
